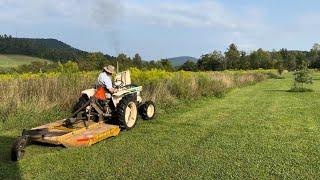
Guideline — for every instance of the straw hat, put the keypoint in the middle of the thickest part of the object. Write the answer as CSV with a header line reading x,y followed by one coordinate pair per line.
x,y
109,69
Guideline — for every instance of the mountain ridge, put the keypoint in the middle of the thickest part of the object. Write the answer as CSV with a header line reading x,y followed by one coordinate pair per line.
x,y
179,60
46,48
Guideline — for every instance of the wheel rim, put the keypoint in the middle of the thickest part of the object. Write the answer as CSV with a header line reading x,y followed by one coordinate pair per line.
x,y
150,111
131,114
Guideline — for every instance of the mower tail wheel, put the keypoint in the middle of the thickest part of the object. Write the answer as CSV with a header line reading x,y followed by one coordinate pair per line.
x,y
147,110
18,148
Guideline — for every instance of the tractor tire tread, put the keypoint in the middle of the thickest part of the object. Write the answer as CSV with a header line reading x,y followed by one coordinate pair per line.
x,y
121,110
143,109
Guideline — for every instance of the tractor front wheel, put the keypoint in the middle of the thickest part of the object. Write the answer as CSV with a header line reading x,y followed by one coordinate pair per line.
x,y
147,110
127,112
18,148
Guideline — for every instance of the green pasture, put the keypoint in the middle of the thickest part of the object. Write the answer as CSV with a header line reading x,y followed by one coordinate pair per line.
x,y
16,60
255,132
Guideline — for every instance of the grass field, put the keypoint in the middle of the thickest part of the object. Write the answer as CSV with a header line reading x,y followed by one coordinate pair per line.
x,y
260,131
16,60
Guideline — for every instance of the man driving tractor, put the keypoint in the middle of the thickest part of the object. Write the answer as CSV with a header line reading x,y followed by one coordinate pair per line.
x,y
105,79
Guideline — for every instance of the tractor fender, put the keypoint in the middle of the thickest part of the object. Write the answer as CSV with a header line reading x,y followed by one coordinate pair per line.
x,y
89,92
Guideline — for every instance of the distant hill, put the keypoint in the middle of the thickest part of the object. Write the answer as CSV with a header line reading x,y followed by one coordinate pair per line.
x,y
177,61
50,49
7,61
49,43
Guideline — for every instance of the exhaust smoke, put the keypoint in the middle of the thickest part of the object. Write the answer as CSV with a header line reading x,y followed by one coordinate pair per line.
x,y
107,14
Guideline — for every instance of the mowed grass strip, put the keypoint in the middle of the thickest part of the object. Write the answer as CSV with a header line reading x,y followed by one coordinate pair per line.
x,y
16,60
258,131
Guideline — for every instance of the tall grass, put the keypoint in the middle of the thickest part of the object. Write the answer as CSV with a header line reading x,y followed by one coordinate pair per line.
x,y
41,92
162,86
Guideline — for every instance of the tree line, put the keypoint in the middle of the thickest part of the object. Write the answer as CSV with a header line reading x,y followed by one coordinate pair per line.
x,y
232,59
241,60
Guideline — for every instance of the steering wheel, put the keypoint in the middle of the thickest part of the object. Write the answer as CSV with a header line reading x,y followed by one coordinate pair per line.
x,y
118,84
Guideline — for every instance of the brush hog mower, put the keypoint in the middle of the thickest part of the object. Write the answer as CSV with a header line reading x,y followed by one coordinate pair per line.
x,y
95,118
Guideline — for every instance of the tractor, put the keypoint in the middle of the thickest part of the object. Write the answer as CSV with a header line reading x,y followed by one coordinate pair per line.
x,y
94,118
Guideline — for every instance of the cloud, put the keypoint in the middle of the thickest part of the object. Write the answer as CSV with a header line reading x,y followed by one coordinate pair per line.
x,y
37,11
106,13
192,14
202,13
242,25
245,25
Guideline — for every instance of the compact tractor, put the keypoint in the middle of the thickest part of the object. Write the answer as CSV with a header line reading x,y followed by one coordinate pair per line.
x,y
95,118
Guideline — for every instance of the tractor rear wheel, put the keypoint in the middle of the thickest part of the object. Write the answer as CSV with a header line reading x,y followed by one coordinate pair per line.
x,y
127,111
18,148
147,110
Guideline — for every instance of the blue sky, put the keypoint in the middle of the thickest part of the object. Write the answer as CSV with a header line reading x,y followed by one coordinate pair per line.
x,y
162,28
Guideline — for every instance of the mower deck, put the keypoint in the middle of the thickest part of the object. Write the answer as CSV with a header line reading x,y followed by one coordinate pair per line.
x,y
77,136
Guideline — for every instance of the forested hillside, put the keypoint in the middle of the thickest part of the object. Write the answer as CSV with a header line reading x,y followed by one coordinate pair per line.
x,y
231,59
51,49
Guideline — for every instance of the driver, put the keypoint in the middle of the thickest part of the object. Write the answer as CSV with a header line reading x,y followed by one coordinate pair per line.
x,y
105,79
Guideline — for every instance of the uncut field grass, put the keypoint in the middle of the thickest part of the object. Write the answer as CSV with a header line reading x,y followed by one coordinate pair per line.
x,y
258,131
16,60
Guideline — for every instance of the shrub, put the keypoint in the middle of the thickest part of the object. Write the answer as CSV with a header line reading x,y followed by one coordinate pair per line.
x,y
69,67
301,79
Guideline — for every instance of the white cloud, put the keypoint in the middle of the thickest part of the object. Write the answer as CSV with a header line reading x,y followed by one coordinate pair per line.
x,y
37,11
243,26
102,13
196,14
203,13
199,14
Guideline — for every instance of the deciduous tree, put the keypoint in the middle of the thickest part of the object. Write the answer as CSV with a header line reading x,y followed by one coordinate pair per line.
x,y
232,56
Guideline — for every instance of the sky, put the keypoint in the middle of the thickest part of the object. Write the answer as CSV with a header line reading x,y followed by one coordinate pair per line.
x,y
161,28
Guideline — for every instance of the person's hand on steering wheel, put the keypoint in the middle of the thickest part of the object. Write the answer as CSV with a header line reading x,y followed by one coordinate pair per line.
x,y
118,84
